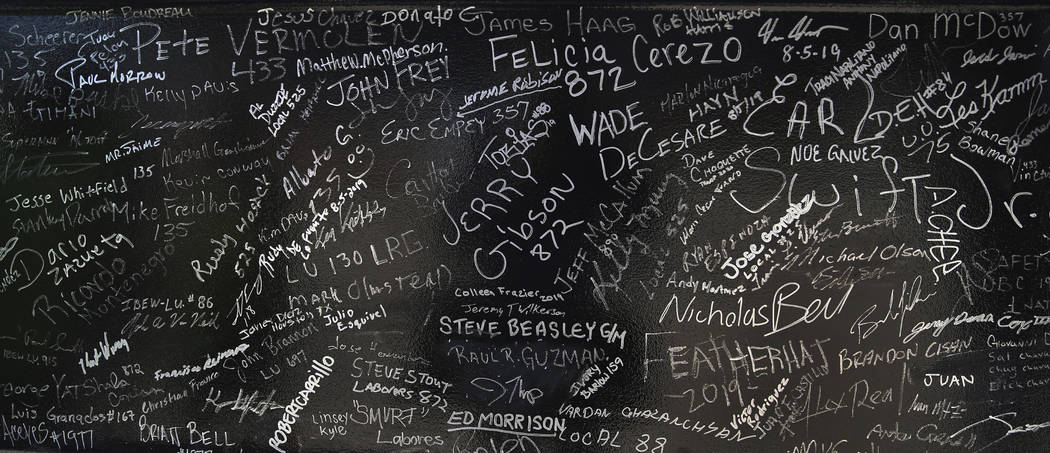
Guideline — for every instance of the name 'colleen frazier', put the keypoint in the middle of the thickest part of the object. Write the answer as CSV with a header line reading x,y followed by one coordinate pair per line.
x,y
322,370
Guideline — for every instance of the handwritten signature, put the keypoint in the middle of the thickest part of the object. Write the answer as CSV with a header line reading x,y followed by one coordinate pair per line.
x,y
244,403
1010,428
